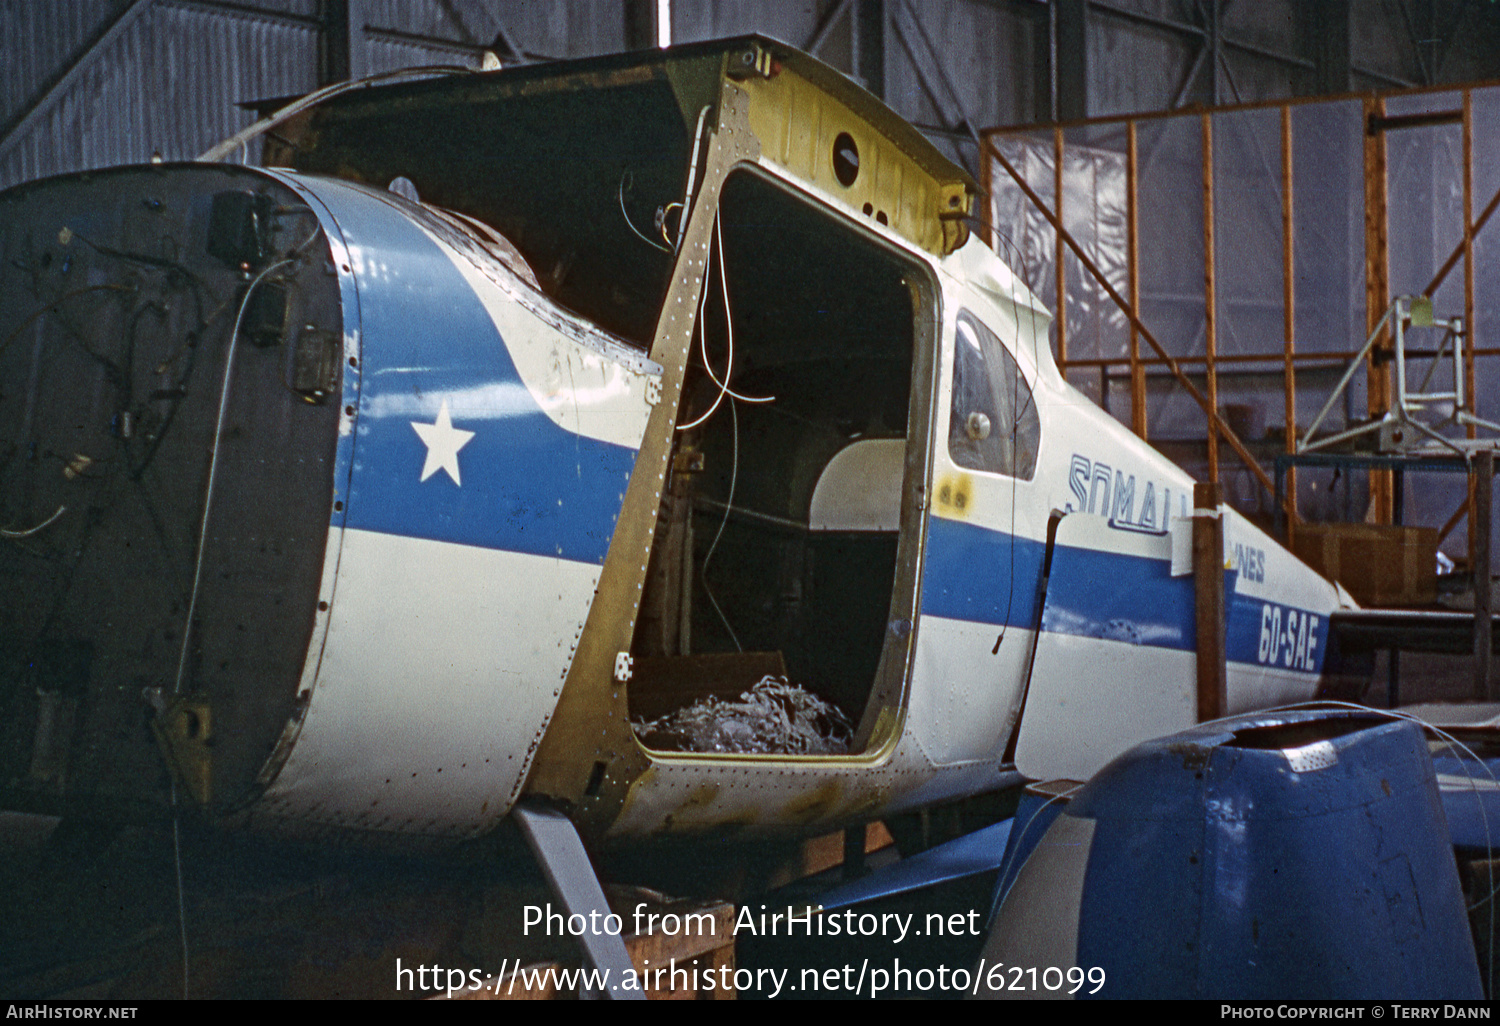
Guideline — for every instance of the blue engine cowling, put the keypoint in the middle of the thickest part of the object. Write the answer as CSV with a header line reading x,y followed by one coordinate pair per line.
x,y
1285,855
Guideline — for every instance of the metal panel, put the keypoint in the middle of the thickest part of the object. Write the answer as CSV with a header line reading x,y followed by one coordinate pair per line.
x,y
551,31
1135,65
41,40
714,19
566,28
947,64
387,53
169,84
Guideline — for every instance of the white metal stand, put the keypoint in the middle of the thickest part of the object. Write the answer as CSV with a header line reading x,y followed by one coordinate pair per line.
x,y
1400,430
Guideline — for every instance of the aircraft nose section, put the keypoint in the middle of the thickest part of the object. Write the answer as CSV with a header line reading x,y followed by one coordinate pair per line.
x,y
493,439
170,346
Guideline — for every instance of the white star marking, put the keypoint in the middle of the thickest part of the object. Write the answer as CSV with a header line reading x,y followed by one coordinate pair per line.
x,y
443,441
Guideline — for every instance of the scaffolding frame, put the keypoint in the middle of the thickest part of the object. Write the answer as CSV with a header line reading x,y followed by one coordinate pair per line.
x,y
1379,352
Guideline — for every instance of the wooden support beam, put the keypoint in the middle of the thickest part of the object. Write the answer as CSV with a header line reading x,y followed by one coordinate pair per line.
x,y
1331,359
1208,587
1377,297
1133,258
1210,303
1062,277
1470,323
1130,313
1289,317
1479,566
16,128
1458,514
1458,251
1483,484
854,853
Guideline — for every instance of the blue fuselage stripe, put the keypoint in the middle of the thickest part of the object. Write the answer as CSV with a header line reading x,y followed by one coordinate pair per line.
x,y
525,483
993,577
976,574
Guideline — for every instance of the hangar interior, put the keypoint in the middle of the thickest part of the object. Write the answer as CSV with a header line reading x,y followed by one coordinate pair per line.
x,y
1250,200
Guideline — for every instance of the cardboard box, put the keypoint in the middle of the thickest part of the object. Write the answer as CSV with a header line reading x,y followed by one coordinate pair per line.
x,y
1380,565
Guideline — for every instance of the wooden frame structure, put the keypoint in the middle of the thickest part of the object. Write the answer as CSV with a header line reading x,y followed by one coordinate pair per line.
x,y
1376,263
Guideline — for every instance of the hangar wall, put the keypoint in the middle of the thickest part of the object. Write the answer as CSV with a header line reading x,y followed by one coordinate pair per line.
x,y
1288,192
87,83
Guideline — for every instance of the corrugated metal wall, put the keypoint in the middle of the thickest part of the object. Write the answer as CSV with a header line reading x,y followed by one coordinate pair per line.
x,y
89,83
85,83
100,83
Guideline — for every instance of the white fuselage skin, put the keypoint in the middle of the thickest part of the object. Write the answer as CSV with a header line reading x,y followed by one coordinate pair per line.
x,y
966,678
432,731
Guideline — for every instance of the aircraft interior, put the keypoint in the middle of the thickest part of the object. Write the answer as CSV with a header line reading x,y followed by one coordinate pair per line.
x,y
778,548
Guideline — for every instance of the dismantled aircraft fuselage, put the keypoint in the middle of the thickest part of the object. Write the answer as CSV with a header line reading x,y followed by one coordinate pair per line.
x,y
353,512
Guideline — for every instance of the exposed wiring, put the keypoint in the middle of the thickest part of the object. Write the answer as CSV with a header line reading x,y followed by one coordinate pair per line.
x,y
136,258
190,347
734,470
665,211
724,389
181,898
301,246
53,306
631,224
728,329
33,530
312,99
1015,848
213,469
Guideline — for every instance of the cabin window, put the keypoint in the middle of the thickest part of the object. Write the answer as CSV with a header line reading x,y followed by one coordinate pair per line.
x,y
993,425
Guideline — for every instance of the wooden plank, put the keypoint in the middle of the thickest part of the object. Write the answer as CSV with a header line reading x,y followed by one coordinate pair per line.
x,y
1458,514
1210,302
1289,317
702,955
1336,359
819,854
1377,297
1130,312
1113,120
1133,257
1479,565
1062,278
1458,251
1208,583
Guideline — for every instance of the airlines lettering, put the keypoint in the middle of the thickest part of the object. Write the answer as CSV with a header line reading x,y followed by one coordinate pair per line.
x,y
1099,488
1288,638
1251,562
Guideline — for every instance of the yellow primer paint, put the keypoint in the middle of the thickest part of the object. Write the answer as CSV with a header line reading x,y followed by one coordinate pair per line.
x,y
955,495
799,125
815,804
700,797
